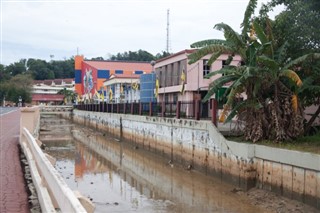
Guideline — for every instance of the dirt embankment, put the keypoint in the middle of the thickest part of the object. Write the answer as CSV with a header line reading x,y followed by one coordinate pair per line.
x,y
272,202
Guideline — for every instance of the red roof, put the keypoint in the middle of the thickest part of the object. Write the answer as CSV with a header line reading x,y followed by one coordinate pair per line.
x,y
68,80
47,97
37,81
47,82
58,81
120,65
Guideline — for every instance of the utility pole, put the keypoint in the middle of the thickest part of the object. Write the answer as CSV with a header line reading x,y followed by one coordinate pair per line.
x,y
167,47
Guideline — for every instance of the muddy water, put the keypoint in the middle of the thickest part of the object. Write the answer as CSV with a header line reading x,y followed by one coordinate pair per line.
x,y
120,177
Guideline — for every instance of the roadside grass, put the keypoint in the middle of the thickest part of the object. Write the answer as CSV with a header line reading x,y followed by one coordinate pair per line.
x,y
305,143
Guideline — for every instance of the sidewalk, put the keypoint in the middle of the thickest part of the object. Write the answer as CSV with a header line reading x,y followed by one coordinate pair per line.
x,y
230,129
13,194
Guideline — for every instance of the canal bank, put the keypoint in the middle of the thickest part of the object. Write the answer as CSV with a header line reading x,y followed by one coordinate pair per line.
x,y
200,146
119,177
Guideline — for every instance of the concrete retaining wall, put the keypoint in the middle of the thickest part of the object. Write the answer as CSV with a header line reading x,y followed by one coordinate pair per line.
x,y
199,144
290,173
30,119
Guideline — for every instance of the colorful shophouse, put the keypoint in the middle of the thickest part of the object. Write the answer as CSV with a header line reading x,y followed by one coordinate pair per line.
x,y
91,75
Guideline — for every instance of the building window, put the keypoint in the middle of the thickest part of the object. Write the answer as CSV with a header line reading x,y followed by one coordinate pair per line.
x,y
118,71
224,63
175,97
166,98
169,75
138,72
179,71
206,68
160,79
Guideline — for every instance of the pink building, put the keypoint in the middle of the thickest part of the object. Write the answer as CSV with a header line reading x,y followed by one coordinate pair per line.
x,y
169,71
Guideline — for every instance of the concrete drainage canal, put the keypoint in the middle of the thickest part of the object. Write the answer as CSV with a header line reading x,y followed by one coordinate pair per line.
x,y
119,177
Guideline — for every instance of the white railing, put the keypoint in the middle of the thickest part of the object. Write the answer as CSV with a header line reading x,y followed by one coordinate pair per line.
x,y
48,181
56,109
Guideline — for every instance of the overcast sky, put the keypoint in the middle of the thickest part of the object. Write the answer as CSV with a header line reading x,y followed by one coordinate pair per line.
x,y
38,29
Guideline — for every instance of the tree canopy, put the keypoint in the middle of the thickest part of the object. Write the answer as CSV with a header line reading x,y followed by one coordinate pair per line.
x,y
140,55
18,86
298,27
16,79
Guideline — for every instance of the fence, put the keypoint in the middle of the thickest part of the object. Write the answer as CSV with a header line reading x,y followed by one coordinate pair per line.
x,y
182,109
53,192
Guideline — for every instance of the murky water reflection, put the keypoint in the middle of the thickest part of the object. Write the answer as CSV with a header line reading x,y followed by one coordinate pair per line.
x,y
120,177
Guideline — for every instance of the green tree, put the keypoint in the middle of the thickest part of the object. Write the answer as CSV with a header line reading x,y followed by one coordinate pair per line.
x,y
62,69
18,86
38,68
298,26
4,88
310,91
140,55
50,75
97,58
16,68
69,96
271,110
4,74
162,55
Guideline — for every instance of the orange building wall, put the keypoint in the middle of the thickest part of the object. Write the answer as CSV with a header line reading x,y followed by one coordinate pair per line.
x,y
78,59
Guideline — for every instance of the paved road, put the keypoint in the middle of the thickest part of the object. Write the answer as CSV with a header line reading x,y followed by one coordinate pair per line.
x,y
13,194
5,110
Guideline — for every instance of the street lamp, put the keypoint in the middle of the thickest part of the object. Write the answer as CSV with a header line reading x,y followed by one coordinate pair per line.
x,y
152,64
20,100
131,88
153,71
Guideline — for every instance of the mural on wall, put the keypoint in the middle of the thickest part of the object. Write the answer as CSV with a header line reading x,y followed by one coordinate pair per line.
x,y
87,81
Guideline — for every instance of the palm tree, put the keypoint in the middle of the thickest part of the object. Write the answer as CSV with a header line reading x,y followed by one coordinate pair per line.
x,y
271,109
69,96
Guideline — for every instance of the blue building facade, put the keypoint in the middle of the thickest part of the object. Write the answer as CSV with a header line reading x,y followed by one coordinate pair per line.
x,y
147,86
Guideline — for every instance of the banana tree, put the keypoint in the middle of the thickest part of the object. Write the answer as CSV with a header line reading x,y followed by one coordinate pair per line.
x,y
271,109
69,96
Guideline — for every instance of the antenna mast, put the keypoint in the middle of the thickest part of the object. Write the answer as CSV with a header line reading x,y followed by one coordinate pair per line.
x,y
167,48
